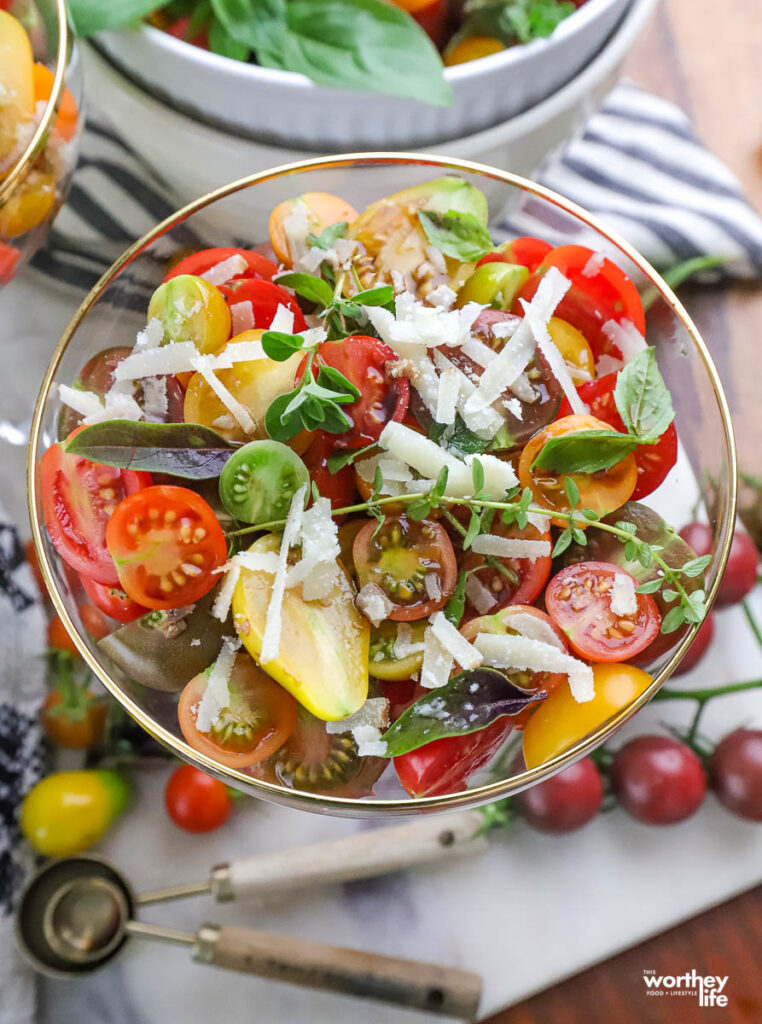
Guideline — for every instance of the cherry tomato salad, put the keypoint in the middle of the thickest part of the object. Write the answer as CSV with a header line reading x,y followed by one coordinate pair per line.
x,y
371,491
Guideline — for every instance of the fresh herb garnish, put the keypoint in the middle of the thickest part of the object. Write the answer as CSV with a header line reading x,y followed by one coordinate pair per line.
x,y
512,21
327,237
186,450
338,460
467,703
459,235
315,403
585,452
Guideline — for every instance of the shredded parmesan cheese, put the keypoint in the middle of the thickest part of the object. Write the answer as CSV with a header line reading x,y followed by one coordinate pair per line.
x,y
374,604
155,399
454,642
154,362
624,600
404,645
283,321
222,272
510,547
627,338
242,317
151,337
481,597
437,661
217,693
521,652
449,387
594,265
374,712
205,366
83,402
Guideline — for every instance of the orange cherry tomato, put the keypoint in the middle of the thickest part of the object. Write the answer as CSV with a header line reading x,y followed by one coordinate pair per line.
x,y
59,637
322,209
73,719
603,492
166,543
472,48
67,117
259,719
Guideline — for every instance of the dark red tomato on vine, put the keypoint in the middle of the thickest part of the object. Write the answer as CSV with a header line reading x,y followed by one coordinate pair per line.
x,y
446,765
166,543
654,461
509,580
526,251
363,361
265,297
579,600
112,601
78,498
199,262
603,293
338,487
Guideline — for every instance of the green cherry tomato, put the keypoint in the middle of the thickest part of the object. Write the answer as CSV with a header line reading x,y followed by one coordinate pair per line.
x,y
191,309
494,284
259,481
383,663
69,812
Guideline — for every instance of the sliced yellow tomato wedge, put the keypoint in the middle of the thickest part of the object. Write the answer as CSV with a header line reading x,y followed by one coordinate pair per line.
x,y
323,657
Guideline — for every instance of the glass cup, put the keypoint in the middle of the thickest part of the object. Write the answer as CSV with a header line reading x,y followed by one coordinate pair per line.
x,y
237,215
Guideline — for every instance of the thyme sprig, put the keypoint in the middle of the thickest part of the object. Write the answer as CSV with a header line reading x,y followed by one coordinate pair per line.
x,y
516,508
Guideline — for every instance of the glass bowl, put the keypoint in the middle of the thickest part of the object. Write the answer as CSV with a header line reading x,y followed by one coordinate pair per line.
x,y
237,214
35,182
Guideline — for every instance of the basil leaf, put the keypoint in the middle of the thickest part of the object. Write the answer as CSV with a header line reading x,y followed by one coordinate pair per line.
x,y
182,449
467,703
338,460
327,237
309,287
642,398
460,235
343,44
375,296
221,42
460,440
280,346
586,452
89,16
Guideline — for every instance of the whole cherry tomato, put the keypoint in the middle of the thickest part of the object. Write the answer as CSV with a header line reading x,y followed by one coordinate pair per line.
x,y
195,801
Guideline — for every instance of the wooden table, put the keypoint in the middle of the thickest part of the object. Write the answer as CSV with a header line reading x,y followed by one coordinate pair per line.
x,y
704,55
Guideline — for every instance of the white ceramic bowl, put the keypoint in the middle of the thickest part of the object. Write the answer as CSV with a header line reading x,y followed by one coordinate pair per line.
x,y
287,109
195,159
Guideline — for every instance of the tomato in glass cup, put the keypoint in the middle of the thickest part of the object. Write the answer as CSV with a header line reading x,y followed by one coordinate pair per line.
x,y
265,298
198,263
526,251
112,601
445,766
412,562
508,581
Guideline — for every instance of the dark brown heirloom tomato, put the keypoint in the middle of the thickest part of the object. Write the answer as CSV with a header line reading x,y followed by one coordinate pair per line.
x,y
735,772
316,761
565,802
658,780
413,563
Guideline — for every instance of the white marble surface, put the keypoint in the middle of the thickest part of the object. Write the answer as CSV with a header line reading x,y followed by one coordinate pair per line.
x,y
530,911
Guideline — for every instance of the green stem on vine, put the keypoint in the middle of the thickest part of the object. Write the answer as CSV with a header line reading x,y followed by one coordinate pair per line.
x,y
751,619
708,694
691,736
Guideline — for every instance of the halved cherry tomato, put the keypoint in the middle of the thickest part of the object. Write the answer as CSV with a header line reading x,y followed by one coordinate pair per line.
x,y
400,693
29,205
166,543
509,580
113,601
199,262
322,210
560,721
78,497
446,765
265,297
317,761
363,361
575,350
339,487
597,294
413,563
579,599
654,461
603,492
527,251
258,720
67,117
383,662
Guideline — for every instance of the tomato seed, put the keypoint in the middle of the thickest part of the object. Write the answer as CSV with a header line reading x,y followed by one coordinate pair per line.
x,y
626,626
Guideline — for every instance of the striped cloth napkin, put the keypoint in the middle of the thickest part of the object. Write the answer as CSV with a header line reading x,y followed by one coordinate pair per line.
x,y
638,165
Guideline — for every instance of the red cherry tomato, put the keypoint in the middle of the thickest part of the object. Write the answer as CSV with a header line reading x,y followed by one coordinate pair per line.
x,y
265,297
566,801
112,601
518,580
78,498
195,801
527,252
579,600
199,262
699,647
382,398
338,487
735,771
446,765
179,29
654,461
593,299
9,260
413,563
400,693
740,576
166,543
658,780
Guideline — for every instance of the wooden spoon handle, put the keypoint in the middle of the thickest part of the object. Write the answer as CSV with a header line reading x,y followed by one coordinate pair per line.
x,y
361,855
444,990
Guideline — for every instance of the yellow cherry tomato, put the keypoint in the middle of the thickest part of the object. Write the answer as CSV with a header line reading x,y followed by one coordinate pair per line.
x,y
68,812
384,664
16,81
573,346
603,492
67,117
560,722
255,385
321,210
29,205
472,48
191,309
